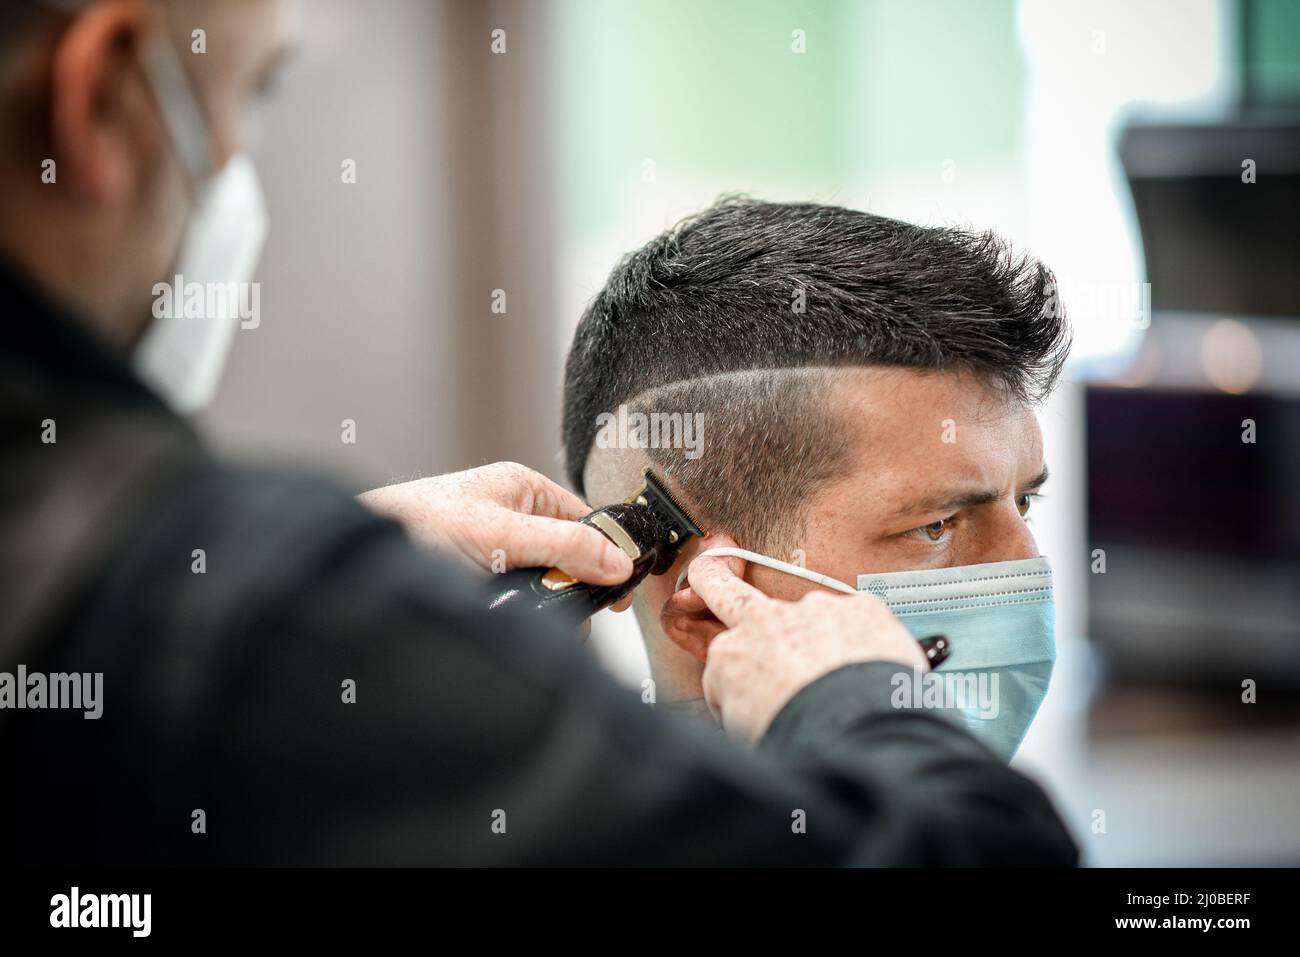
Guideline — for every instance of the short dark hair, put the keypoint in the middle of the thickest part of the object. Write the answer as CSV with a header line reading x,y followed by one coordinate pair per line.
x,y
748,286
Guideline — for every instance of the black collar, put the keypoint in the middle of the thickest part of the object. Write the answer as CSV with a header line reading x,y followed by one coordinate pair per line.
x,y
62,347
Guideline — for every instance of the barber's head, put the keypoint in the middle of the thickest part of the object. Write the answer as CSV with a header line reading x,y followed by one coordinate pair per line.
x,y
97,182
866,389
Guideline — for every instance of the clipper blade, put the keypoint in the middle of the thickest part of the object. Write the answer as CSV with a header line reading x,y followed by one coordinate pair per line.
x,y
668,509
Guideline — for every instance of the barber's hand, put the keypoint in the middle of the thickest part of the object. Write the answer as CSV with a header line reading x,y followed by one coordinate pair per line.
x,y
772,649
503,514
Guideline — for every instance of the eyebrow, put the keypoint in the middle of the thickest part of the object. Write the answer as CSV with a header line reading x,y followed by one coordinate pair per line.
x,y
945,502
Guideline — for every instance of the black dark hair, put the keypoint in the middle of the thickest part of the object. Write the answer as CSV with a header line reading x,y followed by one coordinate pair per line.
x,y
747,285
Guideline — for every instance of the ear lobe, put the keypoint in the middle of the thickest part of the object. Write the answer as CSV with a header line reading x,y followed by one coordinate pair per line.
x,y
685,618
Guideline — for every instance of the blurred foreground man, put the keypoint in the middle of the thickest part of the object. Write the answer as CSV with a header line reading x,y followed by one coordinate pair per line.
x,y
205,666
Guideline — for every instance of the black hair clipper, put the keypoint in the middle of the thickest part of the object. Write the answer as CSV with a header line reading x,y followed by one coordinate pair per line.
x,y
650,528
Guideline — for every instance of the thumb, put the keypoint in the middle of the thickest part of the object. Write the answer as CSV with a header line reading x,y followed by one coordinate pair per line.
x,y
579,550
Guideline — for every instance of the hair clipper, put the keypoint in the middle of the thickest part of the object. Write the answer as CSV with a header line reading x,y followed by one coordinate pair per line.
x,y
650,527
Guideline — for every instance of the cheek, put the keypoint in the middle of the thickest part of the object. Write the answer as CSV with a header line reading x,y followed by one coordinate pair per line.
x,y
780,585
166,206
158,231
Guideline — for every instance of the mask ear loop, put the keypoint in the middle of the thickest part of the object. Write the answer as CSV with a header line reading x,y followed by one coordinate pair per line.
x,y
773,563
182,114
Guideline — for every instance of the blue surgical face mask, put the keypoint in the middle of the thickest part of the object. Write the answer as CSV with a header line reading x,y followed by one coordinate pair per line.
x,y
1000,620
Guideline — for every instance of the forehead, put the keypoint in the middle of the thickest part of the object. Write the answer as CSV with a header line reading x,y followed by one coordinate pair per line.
x,y
919,432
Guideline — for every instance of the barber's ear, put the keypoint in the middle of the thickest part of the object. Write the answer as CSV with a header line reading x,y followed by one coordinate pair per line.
x,y
685,619
105,127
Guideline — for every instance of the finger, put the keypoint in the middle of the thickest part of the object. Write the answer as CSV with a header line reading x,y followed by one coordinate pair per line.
x,y
728,596
534,541
538,495
623,604
708,685
687,601
688,622
712,682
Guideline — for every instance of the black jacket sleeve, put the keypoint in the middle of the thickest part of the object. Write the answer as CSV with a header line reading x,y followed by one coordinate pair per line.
x,y
323,693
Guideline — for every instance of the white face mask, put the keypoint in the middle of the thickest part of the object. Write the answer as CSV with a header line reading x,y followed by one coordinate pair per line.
x,y
182,355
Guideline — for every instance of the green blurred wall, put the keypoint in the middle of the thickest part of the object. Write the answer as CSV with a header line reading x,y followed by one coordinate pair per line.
x,y
711,92
1271,48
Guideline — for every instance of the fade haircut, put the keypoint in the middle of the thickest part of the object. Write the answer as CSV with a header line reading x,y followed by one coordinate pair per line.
x,y
739,311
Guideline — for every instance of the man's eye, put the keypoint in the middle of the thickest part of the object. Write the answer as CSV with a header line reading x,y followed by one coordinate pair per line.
x,y
934,531
1023,501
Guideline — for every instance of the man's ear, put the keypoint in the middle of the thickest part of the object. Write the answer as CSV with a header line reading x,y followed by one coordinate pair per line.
x,y
684,618
103,120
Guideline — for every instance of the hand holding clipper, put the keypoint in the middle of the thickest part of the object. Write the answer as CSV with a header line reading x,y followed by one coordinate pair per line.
x,y
650,528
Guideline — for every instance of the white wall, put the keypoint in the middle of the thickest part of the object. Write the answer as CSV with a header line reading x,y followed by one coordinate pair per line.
x,y
352,315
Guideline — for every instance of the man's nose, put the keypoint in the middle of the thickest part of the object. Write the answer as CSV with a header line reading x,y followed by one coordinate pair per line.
x,y
1009,538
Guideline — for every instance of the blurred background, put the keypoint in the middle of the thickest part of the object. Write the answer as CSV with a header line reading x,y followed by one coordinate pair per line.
x,y
507,153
